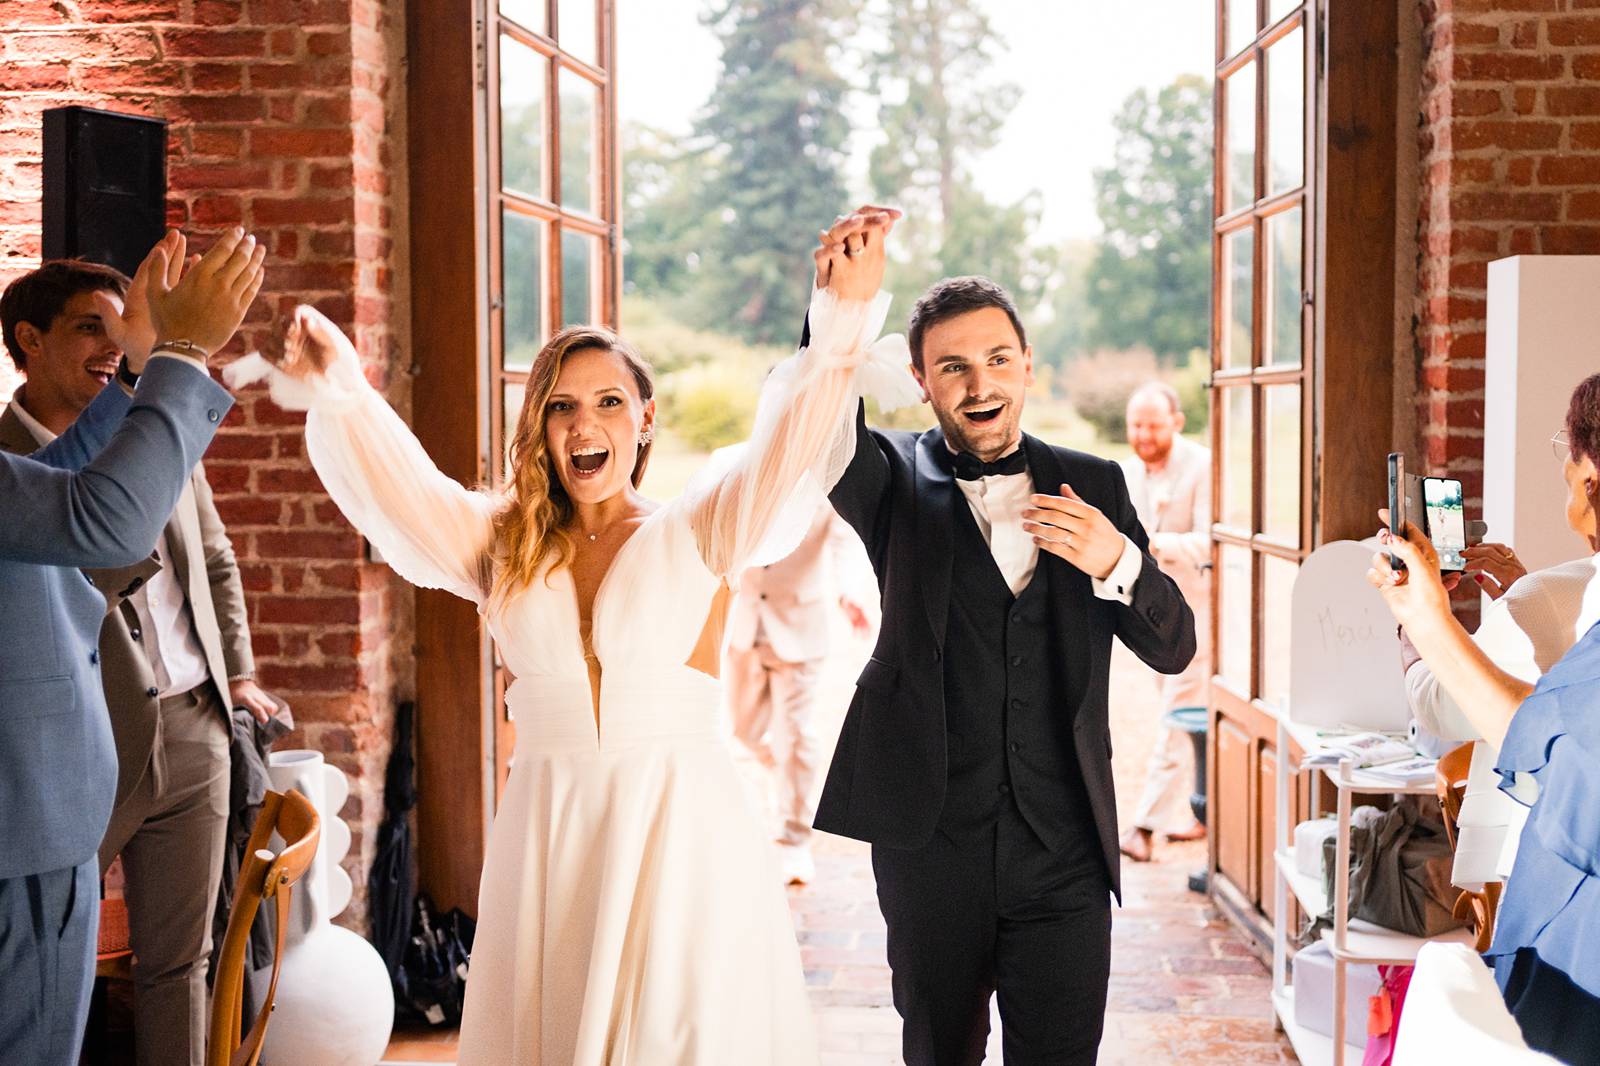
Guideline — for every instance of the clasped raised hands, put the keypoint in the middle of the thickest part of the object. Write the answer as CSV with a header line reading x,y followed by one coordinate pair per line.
x,y
850,259
201,300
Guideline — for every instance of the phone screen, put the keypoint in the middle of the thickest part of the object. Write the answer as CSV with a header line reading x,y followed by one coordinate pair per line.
x,y
1444,506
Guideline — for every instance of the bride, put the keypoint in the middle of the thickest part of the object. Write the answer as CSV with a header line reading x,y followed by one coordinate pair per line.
x,y
628,911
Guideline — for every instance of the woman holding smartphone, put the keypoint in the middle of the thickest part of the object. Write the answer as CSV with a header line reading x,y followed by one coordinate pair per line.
x,y
1546,949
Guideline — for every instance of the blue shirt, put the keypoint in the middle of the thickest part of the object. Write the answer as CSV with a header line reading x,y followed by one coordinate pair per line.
x,y
1552,899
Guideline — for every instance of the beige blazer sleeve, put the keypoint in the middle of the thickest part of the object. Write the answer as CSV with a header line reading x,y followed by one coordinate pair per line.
x,y
227,588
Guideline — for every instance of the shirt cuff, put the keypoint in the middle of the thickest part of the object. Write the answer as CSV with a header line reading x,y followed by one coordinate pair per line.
x,y
1118,585
194,361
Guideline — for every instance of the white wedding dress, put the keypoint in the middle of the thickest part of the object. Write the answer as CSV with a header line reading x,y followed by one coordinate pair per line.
x,y
630,910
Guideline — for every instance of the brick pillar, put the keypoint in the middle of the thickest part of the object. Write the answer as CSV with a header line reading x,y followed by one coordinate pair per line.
x,y
286,118
1509,144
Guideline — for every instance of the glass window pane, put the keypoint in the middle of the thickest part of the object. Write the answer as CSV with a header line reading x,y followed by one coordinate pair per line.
x,y
1277,585
522,289
1236,438
580,257
1240,91
1238,296
578,135
530,14
575,32
1285,281
1286,113
1233,603
512,393
1277,9
1241,24
522,111
1280,474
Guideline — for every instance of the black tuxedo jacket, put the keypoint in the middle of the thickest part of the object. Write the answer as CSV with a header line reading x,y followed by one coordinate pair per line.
x,y
888,779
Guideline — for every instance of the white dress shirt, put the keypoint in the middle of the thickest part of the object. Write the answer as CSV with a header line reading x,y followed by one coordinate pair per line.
x,y
162,607
997,503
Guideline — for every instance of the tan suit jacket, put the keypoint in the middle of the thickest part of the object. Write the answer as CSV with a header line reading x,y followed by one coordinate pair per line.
x,y
789,601
1176,512
203,559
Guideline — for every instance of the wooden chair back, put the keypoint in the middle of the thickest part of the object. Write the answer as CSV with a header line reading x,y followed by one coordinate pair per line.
x,y
1476,908
262,876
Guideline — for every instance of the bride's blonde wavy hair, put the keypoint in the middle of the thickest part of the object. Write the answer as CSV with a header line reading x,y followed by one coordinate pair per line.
x,y
530,531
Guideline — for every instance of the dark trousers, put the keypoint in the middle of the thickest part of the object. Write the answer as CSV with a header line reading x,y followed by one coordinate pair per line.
x,y
1001,915
48,928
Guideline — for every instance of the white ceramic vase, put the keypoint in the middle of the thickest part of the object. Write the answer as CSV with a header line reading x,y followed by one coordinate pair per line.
x,y
335,1002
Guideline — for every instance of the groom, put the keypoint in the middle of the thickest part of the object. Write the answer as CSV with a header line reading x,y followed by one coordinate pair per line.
x,y
976,755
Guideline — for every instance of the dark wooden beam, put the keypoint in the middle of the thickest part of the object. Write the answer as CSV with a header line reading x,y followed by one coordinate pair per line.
x,y
447,324
1357,187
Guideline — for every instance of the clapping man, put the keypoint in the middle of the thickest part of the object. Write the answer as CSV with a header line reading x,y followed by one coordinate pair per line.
x,y
173,657
96,497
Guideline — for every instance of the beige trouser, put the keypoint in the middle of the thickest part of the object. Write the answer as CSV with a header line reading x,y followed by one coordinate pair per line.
x,y
770,702
170,833
1169,775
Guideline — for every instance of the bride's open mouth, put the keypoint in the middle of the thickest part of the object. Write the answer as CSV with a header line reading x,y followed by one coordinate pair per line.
x,y
983,415
588,462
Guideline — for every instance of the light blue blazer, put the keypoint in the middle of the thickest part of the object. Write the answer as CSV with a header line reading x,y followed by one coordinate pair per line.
x,y
95,498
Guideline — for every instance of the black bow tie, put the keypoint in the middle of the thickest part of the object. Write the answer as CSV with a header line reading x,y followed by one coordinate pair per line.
x,y
971,468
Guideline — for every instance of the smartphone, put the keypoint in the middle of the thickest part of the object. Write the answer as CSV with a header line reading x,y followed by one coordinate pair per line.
x,y
1444,515
1397,503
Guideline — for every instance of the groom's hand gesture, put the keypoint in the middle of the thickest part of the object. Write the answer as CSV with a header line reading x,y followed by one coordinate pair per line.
x,y
850,260
1076,531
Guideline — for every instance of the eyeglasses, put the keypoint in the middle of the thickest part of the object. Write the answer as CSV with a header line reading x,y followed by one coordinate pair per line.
x,y
1561,446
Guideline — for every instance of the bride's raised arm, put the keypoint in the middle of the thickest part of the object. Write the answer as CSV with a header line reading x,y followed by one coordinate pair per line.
x,y
804,434
432,530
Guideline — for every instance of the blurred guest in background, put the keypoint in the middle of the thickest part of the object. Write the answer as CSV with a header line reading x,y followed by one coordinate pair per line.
x,y
778,636
1169,479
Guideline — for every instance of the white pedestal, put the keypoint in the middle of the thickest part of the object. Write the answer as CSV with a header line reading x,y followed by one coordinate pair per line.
x,y
1544,317
335,1002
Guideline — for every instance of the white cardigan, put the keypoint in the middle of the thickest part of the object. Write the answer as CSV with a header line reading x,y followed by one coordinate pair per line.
x,y
1524,632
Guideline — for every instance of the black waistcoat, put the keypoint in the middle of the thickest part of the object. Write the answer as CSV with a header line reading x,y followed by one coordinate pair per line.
x,y
1008,702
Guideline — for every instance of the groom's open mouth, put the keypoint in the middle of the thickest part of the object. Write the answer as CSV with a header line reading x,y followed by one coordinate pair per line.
x,y
588,462
101,372
980,416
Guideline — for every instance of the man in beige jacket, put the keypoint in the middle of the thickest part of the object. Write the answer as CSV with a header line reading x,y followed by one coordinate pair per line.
x,y
1169,479
777,643
174,657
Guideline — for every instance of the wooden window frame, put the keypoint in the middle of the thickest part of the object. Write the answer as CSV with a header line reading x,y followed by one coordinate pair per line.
x,y
457,303
1347,359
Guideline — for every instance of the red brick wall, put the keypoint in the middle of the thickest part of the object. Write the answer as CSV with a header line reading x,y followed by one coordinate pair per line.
x,y
285,118
1509,144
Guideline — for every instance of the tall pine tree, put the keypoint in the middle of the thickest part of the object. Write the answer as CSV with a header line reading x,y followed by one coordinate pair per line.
x,y
940,108
776,171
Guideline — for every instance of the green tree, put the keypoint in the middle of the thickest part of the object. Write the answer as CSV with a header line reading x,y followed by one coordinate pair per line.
x,y
1063,333
775,168
1150,282
939,108
665,213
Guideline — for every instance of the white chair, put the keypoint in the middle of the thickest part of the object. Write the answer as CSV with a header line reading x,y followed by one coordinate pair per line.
x,y
1454,1014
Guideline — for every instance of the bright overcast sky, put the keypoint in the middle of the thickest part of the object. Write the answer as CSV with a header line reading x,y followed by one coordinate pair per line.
x,y
1074,59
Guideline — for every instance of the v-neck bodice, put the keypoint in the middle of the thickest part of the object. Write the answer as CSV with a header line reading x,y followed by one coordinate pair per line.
x,y
647,615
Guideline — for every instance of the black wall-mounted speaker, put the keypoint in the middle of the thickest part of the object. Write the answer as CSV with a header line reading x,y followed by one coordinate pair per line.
x,y
105,186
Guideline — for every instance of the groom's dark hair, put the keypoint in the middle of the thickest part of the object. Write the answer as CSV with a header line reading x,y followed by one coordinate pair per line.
x,y
957,296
